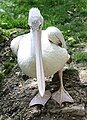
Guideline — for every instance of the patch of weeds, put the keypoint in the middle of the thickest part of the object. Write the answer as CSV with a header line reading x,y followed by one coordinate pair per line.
x,y
8,66
2,76
71,41
83,36
17,32
4,35
80,45
70,51
1,117
80,57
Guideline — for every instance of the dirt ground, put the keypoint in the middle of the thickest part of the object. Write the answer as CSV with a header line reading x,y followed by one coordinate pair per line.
x,y
17,90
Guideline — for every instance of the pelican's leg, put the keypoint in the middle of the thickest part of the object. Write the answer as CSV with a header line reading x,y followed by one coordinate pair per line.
x,y
40,100
62,95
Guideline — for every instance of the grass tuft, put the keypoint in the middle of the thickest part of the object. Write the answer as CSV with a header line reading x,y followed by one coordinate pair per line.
x,y
80,57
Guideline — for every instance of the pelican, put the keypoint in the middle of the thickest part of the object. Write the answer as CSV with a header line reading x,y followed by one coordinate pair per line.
x,y
40,54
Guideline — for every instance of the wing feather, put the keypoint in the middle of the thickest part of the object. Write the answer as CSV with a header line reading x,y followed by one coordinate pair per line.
x,y
56,36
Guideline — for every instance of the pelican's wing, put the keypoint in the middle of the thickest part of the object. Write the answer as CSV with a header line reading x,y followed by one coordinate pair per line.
x,y
15,44
56,36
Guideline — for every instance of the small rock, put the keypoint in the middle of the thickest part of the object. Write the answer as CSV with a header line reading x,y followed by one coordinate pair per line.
x,y
18,74
83,76
75,110
35,111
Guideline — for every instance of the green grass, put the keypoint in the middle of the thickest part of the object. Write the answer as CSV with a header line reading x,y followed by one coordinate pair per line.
x,y
80,57
65,13
68,15
8,66
4,35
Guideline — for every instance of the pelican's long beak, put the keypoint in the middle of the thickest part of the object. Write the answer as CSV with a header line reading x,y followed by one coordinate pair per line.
x,y
39,63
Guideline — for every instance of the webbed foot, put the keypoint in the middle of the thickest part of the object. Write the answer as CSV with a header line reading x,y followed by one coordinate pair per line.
x,y
62,96
40,100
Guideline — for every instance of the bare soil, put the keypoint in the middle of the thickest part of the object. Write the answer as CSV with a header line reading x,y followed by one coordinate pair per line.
x,y
17,90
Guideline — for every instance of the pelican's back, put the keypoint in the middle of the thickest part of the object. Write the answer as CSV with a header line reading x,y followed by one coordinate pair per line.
x,y
14,44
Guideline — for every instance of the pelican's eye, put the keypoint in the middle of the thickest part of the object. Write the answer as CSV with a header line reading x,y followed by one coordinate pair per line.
x,y
30,27
40,26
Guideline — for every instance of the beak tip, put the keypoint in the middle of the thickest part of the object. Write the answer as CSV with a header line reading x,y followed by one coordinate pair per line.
x,y
42,92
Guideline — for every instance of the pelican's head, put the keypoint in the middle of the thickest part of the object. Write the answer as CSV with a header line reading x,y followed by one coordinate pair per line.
x,y
35,20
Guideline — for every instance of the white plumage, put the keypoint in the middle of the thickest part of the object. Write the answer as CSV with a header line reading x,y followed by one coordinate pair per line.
x,y
54,57
39,53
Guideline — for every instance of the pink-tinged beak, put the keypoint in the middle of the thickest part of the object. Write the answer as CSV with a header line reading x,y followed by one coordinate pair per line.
x,y
39,62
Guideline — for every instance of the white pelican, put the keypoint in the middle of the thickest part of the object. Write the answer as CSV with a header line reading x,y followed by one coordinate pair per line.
x,y
42,53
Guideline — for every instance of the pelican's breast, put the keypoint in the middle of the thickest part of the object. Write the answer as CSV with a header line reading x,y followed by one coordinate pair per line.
x,y
54,57
26,56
